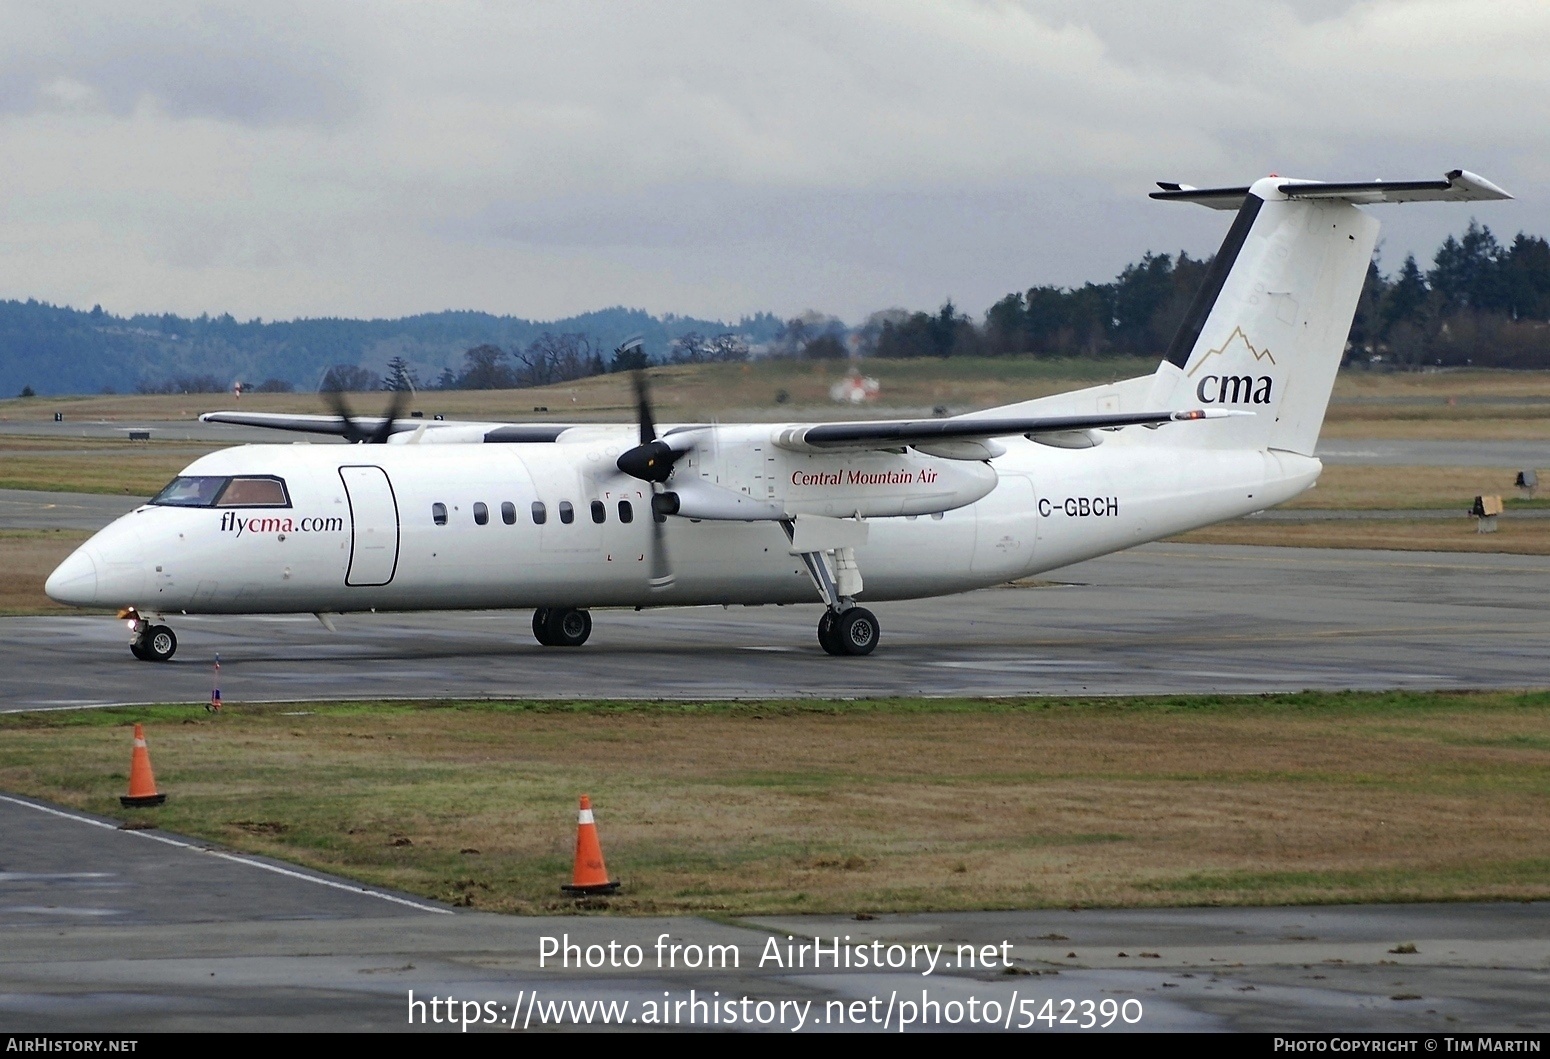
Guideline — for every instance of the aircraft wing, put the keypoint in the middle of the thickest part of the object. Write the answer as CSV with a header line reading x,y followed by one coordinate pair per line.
x,y
446,429
307,424
877,434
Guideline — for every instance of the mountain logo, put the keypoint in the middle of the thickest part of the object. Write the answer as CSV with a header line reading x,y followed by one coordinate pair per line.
x,y
1234,389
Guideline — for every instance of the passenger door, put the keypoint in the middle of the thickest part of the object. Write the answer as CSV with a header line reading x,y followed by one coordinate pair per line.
x,y
373,526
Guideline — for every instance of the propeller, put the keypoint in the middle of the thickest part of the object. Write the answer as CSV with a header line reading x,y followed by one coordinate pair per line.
x,y
356,434
652,461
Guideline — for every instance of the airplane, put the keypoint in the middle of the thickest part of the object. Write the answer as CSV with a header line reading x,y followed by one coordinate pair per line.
x,y
437,515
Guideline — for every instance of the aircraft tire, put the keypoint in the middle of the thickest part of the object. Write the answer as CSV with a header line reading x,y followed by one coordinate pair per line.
x,y
541,626
568,627
826,638
138,650
160,644
857,631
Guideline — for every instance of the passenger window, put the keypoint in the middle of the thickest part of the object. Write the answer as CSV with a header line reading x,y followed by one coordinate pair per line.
x,y
508,513
439,514
626,511
481,513
540,513
599,512
567,513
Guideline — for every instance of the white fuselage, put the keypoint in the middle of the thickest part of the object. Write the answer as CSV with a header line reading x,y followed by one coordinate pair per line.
x,y
362,533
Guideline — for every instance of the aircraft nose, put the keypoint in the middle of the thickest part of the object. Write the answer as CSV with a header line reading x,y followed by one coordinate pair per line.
x,y
74,582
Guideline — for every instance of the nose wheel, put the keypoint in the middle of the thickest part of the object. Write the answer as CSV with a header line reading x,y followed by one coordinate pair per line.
x,y
850,632
561,626
154,643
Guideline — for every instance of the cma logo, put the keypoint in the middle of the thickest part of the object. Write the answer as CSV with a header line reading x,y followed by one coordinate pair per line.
x,y
1234,389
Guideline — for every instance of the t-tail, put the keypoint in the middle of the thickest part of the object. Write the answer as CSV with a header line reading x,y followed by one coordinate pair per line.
x,y
1268,328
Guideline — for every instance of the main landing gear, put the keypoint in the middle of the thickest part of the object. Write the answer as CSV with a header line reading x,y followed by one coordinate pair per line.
x,y
848,632
844,629
151,643
561,626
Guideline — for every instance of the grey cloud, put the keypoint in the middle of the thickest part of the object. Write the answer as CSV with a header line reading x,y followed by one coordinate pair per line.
x,y
252,64
714,157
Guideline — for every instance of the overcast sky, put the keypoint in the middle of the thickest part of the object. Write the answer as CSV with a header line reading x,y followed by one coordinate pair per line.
x,y
544,158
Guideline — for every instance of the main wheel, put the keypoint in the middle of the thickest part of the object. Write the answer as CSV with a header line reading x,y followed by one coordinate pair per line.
x,y
568,627
541,626
857,631
826,638
160,644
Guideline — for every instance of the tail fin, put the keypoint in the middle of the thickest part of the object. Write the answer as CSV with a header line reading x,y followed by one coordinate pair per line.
x,y
1268,327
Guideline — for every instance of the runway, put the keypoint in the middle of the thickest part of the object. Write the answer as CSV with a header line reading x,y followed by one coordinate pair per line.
x,y
106,930
1160,619
26,509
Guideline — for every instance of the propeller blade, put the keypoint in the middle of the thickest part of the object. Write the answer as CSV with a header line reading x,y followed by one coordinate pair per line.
x,y
394,411
352,432
648,426
661,570
652,460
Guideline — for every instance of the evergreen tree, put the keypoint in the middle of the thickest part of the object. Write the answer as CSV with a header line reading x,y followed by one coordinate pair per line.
x,y
400,376
1406,296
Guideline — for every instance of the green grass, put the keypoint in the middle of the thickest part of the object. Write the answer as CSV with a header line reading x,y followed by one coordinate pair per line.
x,y
734,808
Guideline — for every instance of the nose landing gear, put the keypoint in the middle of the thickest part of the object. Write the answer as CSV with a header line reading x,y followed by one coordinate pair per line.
x,y
561,626
151,643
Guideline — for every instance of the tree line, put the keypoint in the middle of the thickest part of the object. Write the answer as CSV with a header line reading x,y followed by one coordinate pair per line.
x,y
549,359
1480,303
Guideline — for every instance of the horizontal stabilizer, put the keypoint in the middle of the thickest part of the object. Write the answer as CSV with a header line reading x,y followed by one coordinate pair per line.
x,y
1456,186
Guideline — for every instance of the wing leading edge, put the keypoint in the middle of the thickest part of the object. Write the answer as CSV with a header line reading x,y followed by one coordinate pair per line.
x,y
890,433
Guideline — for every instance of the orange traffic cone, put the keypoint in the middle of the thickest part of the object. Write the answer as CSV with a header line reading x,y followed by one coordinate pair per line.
x,y
589,876
142,781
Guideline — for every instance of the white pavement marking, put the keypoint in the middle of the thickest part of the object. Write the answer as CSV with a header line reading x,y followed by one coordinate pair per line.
x,y
347,888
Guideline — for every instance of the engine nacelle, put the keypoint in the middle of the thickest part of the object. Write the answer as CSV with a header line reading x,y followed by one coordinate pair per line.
x,y
741,473
877,484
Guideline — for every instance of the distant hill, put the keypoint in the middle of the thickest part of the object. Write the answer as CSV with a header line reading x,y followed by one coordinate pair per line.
x,y
56,349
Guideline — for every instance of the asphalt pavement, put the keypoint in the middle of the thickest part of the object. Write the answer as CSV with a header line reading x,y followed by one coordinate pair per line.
x,y
116,931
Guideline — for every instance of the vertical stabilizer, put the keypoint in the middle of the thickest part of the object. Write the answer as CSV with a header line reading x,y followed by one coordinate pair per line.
x,y
1268,328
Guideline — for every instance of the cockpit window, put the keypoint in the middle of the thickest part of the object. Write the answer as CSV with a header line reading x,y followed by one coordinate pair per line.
x,y
213,491
254,492
192,491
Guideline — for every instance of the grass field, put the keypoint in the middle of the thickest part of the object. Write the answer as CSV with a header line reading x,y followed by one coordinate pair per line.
x,y
27,557
91,465
1521,537
741,808
1355,487
1480,405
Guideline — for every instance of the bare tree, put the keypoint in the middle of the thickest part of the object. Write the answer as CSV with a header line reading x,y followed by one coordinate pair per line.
x,y
728,348
552,358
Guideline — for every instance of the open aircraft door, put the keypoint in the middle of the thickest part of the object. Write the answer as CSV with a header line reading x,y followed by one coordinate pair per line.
x,y
373,526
